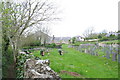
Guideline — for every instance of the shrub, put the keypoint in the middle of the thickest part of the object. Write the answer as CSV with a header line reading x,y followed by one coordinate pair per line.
x,y
53,45
21,59
7,60
104,39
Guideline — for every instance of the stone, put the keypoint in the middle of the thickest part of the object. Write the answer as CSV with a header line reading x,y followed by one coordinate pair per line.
x,y
39,69
119,58
114,56
107,54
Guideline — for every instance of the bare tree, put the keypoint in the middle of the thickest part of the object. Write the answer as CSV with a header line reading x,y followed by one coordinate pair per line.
x,y
89,31
24,15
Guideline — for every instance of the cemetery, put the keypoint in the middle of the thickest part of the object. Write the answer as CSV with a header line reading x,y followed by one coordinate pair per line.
x,y
86,60
30,50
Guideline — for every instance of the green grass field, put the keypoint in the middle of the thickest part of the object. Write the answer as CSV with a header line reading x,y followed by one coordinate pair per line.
x,y
110,42
87,66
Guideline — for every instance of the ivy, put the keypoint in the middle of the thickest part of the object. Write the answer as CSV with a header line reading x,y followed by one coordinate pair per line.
x,y
21,59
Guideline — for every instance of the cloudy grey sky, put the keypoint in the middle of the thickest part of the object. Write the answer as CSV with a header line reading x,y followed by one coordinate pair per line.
x,y
78,15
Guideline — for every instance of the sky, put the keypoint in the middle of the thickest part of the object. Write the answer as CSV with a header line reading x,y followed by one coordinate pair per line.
x,y
79,15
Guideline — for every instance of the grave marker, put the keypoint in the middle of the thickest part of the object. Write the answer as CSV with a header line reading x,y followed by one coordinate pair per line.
x,y
114,56
107,54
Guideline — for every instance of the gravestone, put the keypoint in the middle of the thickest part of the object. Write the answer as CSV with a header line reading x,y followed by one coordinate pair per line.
x,y
96,54
119,58
85,50
107,54
114,56
94,48
111,49
79,48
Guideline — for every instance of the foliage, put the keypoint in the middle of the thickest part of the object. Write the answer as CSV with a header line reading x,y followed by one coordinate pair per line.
x,y
36,43
17,17
113,37
99,36
84,42
104,39
119,36
111,42
53,45
7,61
73,40
20,64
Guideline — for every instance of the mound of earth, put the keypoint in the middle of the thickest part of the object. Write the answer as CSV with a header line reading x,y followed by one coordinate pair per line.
x,y
71,73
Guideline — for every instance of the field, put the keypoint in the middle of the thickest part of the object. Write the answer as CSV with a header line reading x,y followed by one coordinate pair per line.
x,y
110,42
84,65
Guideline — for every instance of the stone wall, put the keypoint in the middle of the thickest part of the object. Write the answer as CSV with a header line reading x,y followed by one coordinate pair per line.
x,y
39,69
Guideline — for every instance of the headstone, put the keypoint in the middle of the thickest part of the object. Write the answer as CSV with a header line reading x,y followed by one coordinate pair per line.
x,y
69,46
107,54
119,58
85,50
114,56
96,54
93,50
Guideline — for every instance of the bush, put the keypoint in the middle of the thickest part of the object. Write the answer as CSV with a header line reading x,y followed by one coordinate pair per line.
x,y
104,39
34,43
53,45
7,60
21,59
100,36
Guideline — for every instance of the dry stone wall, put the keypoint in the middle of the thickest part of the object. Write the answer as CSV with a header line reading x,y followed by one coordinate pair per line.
x,y
39,69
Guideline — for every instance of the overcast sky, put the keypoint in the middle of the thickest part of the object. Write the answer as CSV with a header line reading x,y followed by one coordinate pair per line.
x,y
78,15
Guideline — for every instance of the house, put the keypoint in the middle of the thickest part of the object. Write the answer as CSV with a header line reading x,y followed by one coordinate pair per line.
x,y
79,38
112,33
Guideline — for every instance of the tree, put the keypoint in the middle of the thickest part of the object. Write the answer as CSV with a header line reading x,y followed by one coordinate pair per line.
x,y
73,40
88,32
104,31
99,36
17,17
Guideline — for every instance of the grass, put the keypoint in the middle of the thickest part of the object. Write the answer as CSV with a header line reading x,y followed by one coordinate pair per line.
x,y
85,42
86,65
93,42
110,42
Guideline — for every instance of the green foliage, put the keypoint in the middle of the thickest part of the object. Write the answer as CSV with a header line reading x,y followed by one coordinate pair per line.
x,y
119,36
53,45
99,36
5,16
35,43
73,40
104,39
7,60
112,37
32,43
21,59
84,42
111,42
